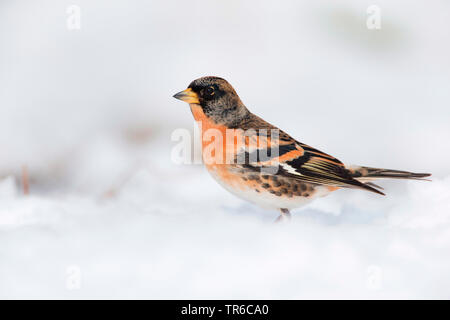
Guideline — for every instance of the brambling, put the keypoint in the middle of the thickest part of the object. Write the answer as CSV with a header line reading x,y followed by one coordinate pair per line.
x,y
260,163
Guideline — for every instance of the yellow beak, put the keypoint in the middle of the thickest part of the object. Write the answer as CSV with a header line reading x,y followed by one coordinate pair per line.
x,y
188,96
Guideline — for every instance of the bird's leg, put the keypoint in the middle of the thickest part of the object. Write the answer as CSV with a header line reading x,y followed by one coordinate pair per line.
x,y
284,214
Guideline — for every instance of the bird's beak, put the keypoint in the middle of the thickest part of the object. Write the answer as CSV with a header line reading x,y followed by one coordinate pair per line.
x,y
188,96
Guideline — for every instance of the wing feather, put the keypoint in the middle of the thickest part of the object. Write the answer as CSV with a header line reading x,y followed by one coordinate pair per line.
x,y
302,162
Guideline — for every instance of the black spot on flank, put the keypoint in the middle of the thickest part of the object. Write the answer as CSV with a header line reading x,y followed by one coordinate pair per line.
x,y
265,185
283,190
257,190
303,187
265,176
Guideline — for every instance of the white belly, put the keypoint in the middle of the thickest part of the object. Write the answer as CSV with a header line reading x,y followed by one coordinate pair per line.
x,y
267,200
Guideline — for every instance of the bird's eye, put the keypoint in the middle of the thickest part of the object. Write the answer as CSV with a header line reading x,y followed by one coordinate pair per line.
x,y
210,91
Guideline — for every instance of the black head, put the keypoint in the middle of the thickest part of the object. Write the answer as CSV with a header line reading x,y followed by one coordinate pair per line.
x,y
216,97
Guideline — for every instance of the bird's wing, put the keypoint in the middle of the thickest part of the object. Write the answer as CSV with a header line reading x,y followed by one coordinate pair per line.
x,y
302,162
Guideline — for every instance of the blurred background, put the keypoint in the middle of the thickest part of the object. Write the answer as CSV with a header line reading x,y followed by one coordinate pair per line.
x,y
87,109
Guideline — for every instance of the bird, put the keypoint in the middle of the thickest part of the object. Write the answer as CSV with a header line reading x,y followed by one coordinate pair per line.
x,y
260,163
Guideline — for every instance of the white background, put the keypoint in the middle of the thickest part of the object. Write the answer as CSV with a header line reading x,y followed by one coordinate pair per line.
x,y
90,113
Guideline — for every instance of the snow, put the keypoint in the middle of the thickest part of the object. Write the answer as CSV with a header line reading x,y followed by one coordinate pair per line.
x,y
184,237
110,215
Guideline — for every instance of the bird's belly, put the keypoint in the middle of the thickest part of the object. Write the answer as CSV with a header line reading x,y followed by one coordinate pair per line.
x,y
267,191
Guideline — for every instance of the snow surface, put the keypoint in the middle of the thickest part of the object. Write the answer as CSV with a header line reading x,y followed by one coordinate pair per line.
x,y
110,215
172,232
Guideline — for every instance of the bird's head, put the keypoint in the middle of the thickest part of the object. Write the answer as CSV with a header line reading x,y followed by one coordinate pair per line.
x,y
217,99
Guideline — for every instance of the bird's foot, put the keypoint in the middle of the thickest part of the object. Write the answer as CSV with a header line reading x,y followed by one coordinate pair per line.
x,y
285,215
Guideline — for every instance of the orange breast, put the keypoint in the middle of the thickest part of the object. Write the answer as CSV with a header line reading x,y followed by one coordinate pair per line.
x,y
217,150
205,123
219,144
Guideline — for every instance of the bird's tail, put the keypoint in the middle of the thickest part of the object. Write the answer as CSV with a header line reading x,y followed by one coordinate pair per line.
x,y
366,175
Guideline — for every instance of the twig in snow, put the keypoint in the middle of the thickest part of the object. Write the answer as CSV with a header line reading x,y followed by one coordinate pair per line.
x,y
25,180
